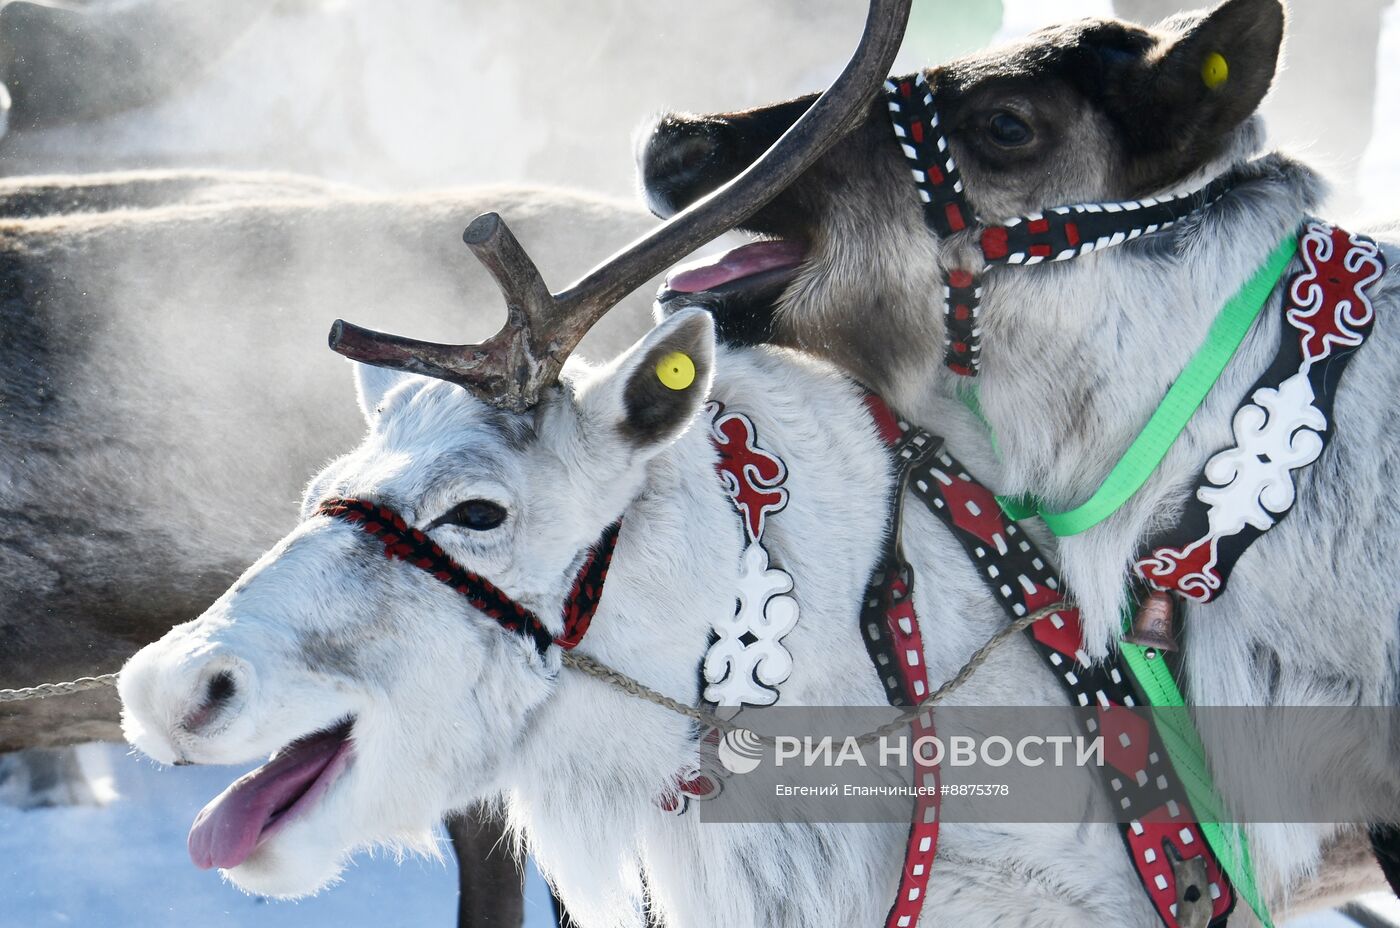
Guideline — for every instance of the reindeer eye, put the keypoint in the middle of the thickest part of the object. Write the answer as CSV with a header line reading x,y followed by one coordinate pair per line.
x,y
479,515
1008,130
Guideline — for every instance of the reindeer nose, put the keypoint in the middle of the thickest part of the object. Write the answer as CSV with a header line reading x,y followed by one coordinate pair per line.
x,y
681,160
181,699
214,695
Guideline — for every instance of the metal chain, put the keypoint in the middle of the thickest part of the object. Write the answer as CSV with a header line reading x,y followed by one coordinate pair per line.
x,y
626,684
44,690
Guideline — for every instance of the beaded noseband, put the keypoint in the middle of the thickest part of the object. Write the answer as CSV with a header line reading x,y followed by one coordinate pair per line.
x,y
412,546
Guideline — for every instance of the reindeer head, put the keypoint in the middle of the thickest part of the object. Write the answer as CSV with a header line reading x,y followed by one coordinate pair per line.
x,y
392,647
1090,111
389,697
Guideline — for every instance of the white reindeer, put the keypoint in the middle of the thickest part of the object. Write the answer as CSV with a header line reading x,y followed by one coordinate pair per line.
x,y
130,496
425,705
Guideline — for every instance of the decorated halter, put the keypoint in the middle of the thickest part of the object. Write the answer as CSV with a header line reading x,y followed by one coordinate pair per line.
x,y
1055,234
414,547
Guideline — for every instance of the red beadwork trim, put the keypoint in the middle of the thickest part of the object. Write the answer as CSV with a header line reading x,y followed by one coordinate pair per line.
x,y
752,477
414,547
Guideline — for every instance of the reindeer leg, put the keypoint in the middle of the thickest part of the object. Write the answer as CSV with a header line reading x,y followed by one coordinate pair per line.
x,y
490,894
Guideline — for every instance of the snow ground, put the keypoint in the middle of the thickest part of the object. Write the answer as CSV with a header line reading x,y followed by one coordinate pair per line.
x,y
125,865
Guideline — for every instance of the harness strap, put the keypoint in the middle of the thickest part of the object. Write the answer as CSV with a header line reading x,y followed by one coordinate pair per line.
x,y
1055,234
1188,756
1140,773
894,641
946,212
921,137
1284,422
1065,232
412,546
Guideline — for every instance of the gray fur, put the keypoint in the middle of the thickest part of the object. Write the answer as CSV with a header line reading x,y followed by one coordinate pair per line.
x,y
164,382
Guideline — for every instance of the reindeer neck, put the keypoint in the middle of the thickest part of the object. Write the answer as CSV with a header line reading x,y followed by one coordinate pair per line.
x,y
1079,354
677,566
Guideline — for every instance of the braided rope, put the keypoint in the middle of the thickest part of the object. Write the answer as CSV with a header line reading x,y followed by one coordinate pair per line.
x,y
587,665
45,690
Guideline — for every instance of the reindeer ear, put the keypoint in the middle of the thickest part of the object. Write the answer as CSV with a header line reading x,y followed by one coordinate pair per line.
x,y
654,390
1188,93
372,384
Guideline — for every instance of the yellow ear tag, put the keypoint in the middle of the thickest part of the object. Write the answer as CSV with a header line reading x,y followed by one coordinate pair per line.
x,y
676,370
1215,71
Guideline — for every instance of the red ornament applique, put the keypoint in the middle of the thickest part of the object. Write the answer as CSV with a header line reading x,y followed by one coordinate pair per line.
x,y
752,477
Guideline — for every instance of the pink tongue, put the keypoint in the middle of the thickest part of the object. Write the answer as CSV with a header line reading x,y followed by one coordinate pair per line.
x,y
228,829
745,261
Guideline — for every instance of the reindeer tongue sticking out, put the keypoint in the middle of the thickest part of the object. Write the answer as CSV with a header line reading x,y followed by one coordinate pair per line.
x,y
261,802
740,288
736,264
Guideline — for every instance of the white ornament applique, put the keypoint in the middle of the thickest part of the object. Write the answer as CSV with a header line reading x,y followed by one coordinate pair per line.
x,y
1249,486
1274,435
747,661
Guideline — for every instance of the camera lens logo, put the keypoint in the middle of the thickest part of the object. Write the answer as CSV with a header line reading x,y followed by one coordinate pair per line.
x,y
740,751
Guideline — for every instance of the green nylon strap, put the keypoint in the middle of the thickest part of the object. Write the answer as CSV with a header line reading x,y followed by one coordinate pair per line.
x,y
1181,402
1188,756
1019,507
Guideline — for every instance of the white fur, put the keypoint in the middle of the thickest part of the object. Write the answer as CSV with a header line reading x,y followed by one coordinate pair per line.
x,y
450,709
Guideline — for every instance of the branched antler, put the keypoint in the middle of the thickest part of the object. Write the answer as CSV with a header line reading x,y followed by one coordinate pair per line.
x,y
512,368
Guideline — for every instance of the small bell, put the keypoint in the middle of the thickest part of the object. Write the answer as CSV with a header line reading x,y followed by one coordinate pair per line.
x,y
1194,906
1154,624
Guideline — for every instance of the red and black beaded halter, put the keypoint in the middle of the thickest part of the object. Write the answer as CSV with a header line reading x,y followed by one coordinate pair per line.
x,y
1055,234
412,546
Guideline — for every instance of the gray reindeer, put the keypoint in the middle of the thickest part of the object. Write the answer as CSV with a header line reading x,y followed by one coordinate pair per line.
x,y
1081,207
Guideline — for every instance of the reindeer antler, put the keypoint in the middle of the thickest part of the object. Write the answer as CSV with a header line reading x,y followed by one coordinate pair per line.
x,y
512,368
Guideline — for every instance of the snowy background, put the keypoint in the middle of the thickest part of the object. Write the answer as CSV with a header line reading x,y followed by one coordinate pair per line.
x,y
453,94
125,865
